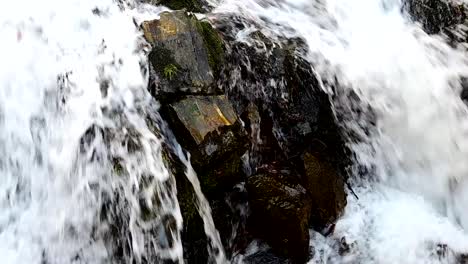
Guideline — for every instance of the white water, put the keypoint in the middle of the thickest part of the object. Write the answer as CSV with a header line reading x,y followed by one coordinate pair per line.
x,y
51,192
80,168
420,147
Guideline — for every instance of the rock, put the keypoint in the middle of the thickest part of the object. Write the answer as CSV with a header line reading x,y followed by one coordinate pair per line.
x,y
198,6
186,55
265,257
444,254
280,212
464,89
306,114
294,109
209,129
326,188
436,15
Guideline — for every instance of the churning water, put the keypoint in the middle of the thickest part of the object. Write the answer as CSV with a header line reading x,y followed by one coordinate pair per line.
x,y
75,133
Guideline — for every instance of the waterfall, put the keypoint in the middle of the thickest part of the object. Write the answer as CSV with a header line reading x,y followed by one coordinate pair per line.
x,y
83,179
78,158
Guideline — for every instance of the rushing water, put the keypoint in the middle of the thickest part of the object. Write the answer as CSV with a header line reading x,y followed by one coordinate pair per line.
x,y
78,67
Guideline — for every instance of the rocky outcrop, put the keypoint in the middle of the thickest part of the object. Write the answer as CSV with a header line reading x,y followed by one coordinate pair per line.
x,y
253,114
281,209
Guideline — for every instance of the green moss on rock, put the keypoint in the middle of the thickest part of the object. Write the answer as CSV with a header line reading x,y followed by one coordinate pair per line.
x,y
213,44
163,61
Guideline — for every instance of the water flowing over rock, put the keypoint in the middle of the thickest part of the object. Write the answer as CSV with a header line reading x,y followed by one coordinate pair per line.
x,y
209,129
234,131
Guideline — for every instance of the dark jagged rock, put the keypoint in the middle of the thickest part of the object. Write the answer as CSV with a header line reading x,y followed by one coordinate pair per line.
x,y
266,257
186,55
435,15
326,188
280,210
209,129
198,6
285,89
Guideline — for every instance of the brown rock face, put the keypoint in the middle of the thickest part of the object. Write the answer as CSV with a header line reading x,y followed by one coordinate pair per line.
x,y
202,115
281,210
326,188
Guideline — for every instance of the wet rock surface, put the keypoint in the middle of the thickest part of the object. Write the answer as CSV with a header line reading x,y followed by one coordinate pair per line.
x,y
266,257
185,56
326,188
281,209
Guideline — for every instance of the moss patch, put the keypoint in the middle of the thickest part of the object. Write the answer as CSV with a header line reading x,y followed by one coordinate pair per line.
x,y
164,63
213,43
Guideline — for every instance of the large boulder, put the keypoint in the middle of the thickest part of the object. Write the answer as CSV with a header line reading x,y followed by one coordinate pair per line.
x,y
209,129
186,55
280,210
